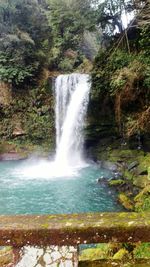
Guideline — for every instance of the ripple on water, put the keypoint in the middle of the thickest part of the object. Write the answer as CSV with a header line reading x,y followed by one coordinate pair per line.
x,y
31,187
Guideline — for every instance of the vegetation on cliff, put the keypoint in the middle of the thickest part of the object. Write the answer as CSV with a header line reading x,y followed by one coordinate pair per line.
x,y
39,37
123,76
25,39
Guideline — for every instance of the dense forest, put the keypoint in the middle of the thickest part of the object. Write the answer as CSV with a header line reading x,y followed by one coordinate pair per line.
x,y
41,38
110,40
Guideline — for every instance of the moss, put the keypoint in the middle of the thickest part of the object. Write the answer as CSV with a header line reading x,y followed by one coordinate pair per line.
x,y
142,200
142,251
125,154
101,263
141,181
143,204
146,190
102,251
128,175
121,254
116,182
33,111
149,173
125,201
144,161
86,66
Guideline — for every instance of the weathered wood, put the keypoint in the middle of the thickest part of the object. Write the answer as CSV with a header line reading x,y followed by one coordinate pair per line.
x,y
74,229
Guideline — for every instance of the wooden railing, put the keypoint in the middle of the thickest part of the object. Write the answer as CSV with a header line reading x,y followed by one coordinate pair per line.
x,y
73,230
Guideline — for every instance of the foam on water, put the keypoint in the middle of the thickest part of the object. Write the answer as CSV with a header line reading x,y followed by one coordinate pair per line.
x,y
44,169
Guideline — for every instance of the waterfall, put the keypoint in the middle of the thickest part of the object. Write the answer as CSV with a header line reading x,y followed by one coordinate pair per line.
x,y
72,97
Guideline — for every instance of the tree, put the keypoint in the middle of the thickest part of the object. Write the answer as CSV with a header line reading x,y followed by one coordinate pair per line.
x,y
110,15
24,39
69,20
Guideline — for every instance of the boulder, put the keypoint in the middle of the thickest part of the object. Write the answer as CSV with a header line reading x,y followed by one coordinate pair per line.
x,y
12,156
121,254
117,175
141,181
103,181
18,131
116,182
109,166
133,165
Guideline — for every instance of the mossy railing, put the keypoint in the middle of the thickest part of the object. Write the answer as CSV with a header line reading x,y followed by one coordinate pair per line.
x,y
74,229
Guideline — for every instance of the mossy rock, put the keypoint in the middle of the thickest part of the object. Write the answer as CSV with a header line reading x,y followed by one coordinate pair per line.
x,y
144,161
125,154
121,254
141,181
116,182
128,175
125,201
102,251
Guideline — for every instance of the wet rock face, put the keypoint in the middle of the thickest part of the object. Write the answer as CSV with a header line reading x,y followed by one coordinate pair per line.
x,y
109,166
11,156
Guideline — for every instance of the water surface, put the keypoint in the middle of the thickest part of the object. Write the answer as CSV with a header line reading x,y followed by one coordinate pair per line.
x,y
24,191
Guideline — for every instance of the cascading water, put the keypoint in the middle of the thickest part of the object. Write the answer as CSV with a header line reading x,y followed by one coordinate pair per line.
x,y
72,96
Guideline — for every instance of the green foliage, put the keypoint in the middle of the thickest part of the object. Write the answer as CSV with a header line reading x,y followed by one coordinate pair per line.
x,y
142,251
33,111
125,201
13,73
66,65
105,65
145,40
37,34
101,251
143,203
120,59
24,42
111,71
69,20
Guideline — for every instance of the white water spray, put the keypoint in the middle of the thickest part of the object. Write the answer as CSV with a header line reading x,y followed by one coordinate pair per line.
x,y
72,97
